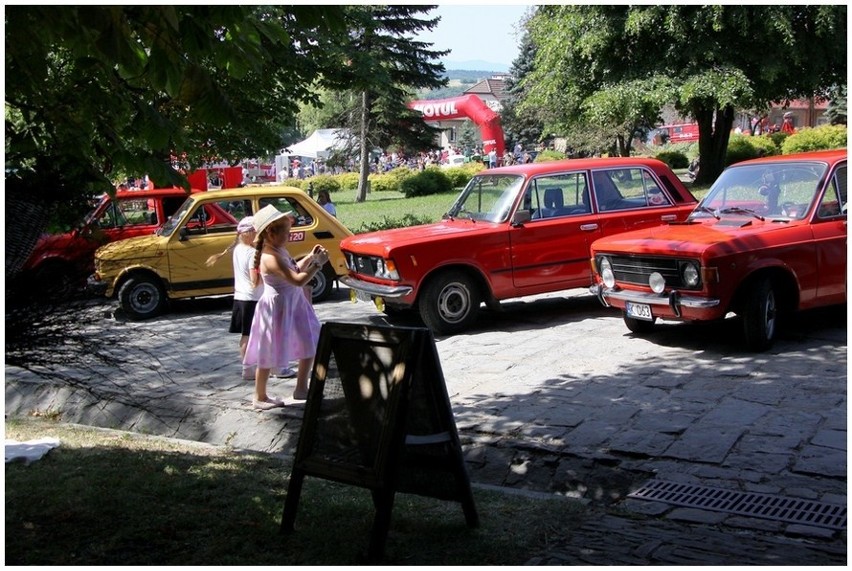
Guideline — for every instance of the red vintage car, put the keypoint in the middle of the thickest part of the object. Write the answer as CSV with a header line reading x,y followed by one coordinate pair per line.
x,y
769,238
513,231
68,258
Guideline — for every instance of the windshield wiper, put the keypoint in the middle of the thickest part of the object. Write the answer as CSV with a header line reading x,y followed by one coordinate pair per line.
x,y
738,210
709,211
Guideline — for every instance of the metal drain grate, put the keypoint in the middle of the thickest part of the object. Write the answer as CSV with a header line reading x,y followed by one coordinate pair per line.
x,y
765,506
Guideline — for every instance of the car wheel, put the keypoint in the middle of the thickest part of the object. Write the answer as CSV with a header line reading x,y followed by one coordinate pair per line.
x,y
638,326
449,303
142,297
322,284
760,316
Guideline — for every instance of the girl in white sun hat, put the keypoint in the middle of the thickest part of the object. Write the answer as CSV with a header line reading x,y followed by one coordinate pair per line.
x,y
285,326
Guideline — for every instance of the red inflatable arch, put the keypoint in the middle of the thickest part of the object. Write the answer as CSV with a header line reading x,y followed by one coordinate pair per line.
x,y
469,106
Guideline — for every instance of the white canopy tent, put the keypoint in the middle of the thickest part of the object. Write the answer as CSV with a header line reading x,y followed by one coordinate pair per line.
x,y
319,145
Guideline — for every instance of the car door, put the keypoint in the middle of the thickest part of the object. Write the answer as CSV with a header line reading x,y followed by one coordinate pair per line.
x,y
208,229
552,248
830,234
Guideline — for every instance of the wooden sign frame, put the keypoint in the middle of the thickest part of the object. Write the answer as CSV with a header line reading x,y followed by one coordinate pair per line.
x,y
378,416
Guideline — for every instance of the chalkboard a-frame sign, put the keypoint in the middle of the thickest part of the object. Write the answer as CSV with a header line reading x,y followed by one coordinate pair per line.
x,y
378,416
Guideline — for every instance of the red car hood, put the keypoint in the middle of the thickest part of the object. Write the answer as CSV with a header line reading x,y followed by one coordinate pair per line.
x,y
718,237
379,243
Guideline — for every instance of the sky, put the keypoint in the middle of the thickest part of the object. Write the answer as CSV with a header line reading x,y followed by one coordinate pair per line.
x,y
486,32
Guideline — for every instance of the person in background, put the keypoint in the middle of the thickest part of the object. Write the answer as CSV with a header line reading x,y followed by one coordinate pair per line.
x,y
246,293
324,199
285,325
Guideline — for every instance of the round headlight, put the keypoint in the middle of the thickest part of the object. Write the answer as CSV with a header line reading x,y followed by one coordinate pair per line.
x,y
691,277
606,272
657,282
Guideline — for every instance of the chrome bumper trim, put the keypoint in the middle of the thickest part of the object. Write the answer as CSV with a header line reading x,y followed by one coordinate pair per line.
x,y
384,291
673,299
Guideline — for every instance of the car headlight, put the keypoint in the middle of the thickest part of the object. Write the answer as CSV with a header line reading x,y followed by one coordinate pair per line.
x,y
690,274
605,268
657,282
386,269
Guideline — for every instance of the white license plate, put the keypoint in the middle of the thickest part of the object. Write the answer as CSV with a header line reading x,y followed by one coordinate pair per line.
x,y
638,311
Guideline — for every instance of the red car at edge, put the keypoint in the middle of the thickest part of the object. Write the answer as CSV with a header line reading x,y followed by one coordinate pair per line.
x,y
768,239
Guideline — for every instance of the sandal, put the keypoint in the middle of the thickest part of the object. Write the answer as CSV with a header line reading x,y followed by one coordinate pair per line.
x,y
268,404
300,395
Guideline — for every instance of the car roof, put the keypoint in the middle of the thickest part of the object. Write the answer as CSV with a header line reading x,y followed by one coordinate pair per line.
x,y
154,192
532,169
830,156
276,190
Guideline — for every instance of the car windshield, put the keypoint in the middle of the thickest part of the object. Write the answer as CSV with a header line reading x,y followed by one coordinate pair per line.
x,y
169,227
487,197
777,191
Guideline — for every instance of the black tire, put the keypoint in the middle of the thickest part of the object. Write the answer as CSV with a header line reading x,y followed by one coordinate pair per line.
x,y
449,303
54,278
322,284
638,326
142,297
760,316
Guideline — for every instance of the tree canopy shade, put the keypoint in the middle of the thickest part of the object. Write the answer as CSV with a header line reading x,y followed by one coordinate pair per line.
x,y
94,93
709,60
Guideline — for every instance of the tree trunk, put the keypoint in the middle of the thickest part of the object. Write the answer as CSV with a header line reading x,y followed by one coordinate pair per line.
x,y
363,180
713,137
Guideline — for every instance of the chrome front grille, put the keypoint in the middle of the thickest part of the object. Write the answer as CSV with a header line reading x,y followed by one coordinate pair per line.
x,y
365,265
636,269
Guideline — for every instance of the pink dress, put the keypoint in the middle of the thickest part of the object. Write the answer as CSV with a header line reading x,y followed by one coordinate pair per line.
x,y
285,327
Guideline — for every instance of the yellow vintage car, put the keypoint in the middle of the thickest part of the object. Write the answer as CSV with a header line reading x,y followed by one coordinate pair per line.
x,y
145,272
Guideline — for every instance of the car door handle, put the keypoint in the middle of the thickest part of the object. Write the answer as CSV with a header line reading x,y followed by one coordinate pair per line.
x,y
668,217
588,227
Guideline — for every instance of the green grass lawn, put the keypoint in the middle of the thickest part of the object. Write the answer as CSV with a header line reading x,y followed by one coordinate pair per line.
x,y
116,498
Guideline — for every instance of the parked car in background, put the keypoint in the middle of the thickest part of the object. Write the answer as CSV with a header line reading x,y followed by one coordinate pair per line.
x,y
67,259
769,238
454,161
513,231
144,273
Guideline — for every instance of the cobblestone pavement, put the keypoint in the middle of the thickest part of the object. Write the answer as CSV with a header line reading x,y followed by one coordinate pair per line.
x,y
551,394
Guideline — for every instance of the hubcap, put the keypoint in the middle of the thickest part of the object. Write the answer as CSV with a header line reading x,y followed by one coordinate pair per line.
x,y
454,303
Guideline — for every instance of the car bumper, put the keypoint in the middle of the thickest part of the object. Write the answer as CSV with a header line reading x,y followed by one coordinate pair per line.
x,y
677,303
376,290
96,287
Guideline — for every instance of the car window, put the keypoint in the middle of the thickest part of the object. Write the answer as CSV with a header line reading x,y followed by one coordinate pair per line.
x,y
783,190
289,204
487,197
121,213
833,202
619,189
553,196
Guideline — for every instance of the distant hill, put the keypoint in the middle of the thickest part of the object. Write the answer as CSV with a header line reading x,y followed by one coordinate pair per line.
x,y
476,65
459,81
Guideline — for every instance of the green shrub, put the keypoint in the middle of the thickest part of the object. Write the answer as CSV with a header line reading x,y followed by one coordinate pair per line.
x,y
387,223
348,180
675,159
326,182
549,155
460,176
819,138
744,147
426,182
391,180
297,182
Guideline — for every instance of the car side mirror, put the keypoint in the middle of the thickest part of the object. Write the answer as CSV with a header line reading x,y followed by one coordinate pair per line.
x,y
184,234
521,217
